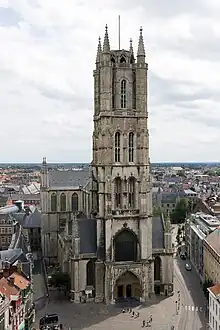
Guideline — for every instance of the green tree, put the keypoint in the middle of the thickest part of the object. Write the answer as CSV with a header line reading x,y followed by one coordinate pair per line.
x,y
61,281
207,284
180,212
181,173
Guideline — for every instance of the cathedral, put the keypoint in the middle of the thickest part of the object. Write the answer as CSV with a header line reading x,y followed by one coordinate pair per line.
x,y
97,223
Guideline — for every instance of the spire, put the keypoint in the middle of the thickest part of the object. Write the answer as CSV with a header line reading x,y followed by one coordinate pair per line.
x,y
106,45
99,50
141,51
131,47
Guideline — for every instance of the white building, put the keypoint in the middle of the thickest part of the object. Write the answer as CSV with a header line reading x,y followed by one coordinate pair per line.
x,y
4,313
214,307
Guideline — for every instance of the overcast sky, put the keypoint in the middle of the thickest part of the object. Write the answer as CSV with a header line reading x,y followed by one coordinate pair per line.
x,y
47,57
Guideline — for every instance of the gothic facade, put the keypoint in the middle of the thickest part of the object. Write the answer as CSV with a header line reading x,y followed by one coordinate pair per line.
x,y
110,243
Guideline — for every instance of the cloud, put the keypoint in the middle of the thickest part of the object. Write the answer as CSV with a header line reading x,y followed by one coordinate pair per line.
x,y
47,57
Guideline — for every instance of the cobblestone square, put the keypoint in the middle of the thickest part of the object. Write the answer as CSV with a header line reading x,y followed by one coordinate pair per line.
x,y
100,317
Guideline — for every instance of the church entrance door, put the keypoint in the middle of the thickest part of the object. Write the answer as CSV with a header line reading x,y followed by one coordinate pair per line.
x,y
128,291
120,291
127,286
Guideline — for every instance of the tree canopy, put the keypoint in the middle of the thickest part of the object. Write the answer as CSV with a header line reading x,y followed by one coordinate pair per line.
x,y
180,212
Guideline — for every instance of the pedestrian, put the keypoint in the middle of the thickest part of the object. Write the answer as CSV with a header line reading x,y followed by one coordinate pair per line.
x,y
143,324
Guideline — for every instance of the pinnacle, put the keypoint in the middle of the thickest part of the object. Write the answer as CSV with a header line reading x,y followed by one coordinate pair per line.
x,y
106,44
141,50
99,50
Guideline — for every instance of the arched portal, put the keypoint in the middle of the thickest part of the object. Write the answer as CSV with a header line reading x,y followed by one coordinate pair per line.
x,y
157,269
90,273
127,286
125,246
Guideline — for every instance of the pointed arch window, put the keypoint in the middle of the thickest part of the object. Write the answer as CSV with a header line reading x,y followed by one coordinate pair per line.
x,y
75,202
131,193
117,147
123,93
53,202
63,202
118,192
134,91
131,147
122,59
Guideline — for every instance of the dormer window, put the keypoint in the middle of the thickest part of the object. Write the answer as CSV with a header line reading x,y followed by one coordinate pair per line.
x,y
122,59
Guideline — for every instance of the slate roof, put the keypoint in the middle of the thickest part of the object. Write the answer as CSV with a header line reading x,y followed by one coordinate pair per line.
x,y
87,233
25,197
175,179
157,233
169,197
68,179
11,255
33,220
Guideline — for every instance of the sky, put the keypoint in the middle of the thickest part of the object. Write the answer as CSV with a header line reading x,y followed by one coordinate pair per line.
x,y
47,57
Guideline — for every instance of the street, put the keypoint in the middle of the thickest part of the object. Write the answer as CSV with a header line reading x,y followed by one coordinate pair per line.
x,y
192,302
192,308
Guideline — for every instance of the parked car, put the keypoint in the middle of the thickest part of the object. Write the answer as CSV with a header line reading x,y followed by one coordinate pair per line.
x,y
188,267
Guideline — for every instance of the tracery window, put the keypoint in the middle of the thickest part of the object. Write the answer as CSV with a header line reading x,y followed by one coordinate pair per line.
x,y
118,192
53,202
131,192
63,202
123,93
117,147
131,147
75,202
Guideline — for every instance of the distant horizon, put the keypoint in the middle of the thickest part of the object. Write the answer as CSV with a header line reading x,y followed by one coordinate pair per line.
x,y
83,163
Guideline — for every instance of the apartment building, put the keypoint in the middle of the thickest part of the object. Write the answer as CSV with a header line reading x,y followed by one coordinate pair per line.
x,y
7,229
197,228
214,307
211,252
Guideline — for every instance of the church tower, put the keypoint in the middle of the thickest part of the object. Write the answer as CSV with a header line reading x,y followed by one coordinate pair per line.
x,y
121,196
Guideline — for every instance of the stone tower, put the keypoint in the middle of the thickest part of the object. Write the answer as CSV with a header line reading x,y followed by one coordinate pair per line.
x,y
121,193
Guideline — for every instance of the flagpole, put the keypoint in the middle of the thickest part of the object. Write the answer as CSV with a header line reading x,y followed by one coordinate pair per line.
x,y
119,32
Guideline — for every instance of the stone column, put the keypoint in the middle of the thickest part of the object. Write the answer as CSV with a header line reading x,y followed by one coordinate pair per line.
x,y
76,280
99,281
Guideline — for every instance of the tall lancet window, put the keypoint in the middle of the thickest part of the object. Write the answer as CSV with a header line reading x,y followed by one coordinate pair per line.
x,y
131,147
134,91
123,94
131,193
117,147
118,192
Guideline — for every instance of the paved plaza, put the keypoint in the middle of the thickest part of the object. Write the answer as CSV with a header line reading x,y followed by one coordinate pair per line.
x,y
98,316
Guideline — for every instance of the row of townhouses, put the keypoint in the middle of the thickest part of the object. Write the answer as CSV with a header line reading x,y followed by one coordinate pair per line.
x,y
202,237
16,288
